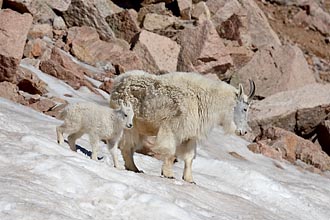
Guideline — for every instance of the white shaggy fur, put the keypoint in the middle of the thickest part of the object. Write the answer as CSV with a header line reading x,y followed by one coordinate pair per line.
x,y
99,122
179,109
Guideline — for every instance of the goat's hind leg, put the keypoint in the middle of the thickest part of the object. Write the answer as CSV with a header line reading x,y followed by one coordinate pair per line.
x,y
59,132
72,140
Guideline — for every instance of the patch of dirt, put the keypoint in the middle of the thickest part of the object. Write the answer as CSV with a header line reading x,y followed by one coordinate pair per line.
x,y
281,19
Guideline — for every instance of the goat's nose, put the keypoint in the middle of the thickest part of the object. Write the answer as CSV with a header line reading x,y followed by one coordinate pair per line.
x,y
241,132
129,125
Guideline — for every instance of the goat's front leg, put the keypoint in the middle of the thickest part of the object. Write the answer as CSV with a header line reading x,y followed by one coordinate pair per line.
x,y
113,146
130,141
93,139
167,167
128,153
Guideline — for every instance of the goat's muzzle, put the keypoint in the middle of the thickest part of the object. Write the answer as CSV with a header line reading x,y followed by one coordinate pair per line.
x,y
240,132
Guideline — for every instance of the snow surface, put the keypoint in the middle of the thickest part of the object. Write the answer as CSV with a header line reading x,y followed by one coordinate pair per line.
x,y
40,179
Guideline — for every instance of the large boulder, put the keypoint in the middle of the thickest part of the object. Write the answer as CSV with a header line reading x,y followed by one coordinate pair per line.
x,y
65,67
13,33
86,46
275,69
40,30
10,91
300,110
34,5
59,5
153,21
158,53
29,82
255,30
94,13
59,23
158,8
124,24
42,105
75,80
42,10
35,48
202,50
278,143
258,30
185,8
201,12
57,66
68,62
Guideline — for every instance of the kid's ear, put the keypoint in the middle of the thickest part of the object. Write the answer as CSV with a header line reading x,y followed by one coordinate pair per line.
x,y
121,103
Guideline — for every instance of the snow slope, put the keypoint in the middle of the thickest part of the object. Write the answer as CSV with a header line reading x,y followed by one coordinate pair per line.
x,y
40,179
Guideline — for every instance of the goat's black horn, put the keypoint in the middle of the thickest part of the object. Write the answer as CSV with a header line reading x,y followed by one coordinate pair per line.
x,y
252,89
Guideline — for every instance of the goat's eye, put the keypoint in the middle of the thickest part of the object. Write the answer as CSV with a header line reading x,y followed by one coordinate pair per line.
x,y
245,109
125,115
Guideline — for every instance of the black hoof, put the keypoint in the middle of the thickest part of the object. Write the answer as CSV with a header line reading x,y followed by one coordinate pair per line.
x,y
135,171
168,177
189,182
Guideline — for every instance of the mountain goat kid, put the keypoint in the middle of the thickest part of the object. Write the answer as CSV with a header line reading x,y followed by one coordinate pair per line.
x,y
99,122
179,109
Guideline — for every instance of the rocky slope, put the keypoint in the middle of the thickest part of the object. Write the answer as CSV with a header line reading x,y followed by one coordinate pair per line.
x,y
282,45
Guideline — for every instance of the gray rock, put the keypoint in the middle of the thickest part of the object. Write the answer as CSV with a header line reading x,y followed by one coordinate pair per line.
x,y
94,13
300,110
255,30
154,21
275,69
203,50
157,53
124,24
87,47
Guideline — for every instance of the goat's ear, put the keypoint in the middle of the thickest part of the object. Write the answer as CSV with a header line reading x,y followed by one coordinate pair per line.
x,y
121,103
240,91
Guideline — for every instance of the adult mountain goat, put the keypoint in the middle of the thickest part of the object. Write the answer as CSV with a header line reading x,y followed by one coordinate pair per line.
x,y
179,109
